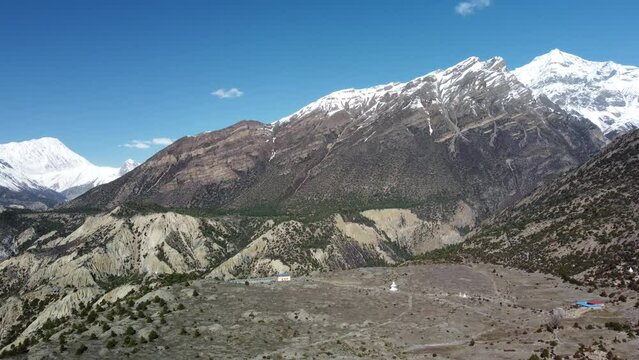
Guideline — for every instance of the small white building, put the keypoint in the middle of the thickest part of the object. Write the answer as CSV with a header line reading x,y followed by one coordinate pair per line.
x,y
285,276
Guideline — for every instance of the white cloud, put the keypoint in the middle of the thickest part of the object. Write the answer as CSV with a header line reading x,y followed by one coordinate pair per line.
x,y
145,144
465,8
228,94
162,141
137,144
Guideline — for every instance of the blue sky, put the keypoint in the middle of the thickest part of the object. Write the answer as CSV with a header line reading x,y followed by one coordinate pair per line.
x,y
102,74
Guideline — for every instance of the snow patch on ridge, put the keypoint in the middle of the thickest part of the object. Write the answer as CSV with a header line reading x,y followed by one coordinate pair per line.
x,y
368,101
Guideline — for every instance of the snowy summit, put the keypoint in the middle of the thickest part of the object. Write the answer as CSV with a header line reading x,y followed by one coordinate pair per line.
x,y
48,163
606,93
367,102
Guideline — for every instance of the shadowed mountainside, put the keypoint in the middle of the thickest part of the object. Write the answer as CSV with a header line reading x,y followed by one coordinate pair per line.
x,y
583,226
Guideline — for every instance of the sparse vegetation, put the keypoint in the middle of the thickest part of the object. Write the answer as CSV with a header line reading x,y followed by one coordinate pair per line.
x,y
553,322
129,331
618,326
592,204
81,349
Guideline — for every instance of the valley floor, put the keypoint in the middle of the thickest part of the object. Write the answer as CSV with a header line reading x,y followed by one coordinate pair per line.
x,y
351,314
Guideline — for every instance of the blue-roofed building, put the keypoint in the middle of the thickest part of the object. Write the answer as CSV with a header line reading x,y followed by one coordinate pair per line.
x,y
587,304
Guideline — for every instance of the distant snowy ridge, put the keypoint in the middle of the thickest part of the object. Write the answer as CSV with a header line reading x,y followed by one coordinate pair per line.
x,y
14,180
606,93
358,102
48,163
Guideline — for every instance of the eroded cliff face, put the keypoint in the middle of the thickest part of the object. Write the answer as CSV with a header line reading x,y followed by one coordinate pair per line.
x,y
53,273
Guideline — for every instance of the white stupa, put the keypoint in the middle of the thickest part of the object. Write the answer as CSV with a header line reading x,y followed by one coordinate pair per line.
x,y
630,270
393,287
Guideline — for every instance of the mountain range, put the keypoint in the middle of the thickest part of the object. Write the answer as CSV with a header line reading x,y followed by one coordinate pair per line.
x,y
471,133
475,161
398,169
45,172
42,172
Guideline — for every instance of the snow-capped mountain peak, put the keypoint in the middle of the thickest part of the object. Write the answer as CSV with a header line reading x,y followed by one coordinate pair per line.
x,y
559,57
41,155
559,65
47,163
346,99
604,92
127,166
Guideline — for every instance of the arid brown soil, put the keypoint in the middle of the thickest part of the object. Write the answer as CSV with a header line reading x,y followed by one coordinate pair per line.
x,y
351,314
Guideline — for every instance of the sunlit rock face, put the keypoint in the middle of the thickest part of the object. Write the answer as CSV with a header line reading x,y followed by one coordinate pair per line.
x,y
470,133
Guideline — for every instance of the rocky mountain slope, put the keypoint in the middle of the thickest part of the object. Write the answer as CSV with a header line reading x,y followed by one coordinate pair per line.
x,y
32,167
604,92
470,134
583,226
